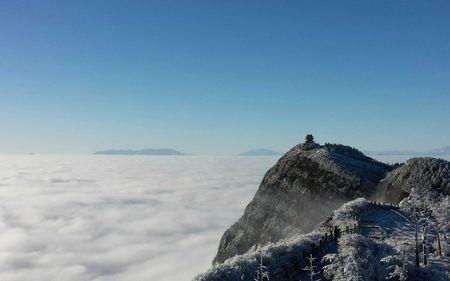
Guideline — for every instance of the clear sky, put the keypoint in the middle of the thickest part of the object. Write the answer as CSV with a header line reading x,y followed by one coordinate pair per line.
x,y
223,76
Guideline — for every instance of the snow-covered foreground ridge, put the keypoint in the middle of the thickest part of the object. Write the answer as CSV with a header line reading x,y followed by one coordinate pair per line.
x,y
344,247
287,258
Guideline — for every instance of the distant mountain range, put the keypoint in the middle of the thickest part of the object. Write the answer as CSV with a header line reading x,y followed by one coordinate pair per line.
x,y
444,151
149,151
260,152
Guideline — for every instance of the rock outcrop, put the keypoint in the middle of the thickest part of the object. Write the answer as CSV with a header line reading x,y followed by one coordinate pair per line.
x,y
299,192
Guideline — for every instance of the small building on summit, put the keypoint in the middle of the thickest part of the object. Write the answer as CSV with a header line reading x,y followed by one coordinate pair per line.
x,y
309,139
309,142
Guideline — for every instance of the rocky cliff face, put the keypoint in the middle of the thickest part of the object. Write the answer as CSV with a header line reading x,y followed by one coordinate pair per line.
x,y
426,175
299,192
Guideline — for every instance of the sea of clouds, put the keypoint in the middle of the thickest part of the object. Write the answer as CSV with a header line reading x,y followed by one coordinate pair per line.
x,y
118,217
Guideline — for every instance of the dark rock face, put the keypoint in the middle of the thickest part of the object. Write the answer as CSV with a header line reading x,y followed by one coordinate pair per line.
x,y
299,192
427,175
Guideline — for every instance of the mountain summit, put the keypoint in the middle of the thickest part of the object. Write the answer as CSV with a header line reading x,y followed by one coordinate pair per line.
x,y
312,189
300,191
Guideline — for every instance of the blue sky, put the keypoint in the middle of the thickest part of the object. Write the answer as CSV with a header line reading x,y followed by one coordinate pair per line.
x,y
220,77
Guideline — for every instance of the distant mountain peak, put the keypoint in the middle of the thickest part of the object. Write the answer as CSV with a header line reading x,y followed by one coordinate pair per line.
x,y
443,151
260,152
148,151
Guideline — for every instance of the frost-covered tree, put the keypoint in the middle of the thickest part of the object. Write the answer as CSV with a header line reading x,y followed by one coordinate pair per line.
x,y
425,245
311,268
399,272
415,224
417,205
262,273
356,260
430,217
441,215
399,264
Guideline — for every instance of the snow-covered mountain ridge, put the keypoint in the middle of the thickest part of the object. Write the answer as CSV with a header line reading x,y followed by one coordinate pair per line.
x,y
299,192
305,186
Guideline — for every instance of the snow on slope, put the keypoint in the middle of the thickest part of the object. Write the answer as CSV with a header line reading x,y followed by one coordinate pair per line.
x,y
380,249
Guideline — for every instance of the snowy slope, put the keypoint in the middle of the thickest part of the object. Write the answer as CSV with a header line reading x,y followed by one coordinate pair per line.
x,y
376,241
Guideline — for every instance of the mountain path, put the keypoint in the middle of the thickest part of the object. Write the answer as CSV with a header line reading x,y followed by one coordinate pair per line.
x,y
382,223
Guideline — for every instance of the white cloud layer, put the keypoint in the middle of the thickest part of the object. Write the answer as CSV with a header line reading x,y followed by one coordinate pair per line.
x,y
118,218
